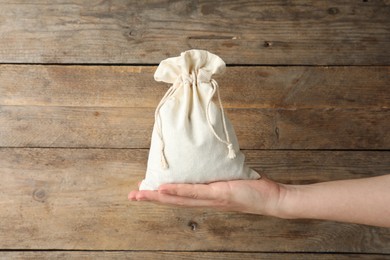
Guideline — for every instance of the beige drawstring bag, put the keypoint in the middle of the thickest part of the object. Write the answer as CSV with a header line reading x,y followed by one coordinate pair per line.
x,y
192,140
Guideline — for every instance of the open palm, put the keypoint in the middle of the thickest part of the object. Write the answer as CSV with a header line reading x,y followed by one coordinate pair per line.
x,y
250,196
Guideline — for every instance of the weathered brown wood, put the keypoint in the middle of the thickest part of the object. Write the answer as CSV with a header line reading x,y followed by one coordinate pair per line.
x,y
42,126
161,255
241,87
77,199
241,32
304,167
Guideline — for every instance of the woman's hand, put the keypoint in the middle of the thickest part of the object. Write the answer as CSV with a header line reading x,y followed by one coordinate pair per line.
x,y
262,196
362,201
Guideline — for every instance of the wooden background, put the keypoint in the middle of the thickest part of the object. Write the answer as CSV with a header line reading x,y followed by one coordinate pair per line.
x,y
307,89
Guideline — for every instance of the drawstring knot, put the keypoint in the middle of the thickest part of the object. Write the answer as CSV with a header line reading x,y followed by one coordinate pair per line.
x,y
188,79
232,153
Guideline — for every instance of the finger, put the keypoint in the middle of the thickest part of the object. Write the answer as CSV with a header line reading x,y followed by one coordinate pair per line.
x,y
184,201
155,196
193,191
132,195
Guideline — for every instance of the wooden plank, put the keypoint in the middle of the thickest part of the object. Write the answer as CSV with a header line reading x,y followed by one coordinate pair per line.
x,y
241,32
36,126
161,255
241,87
77,199
304,167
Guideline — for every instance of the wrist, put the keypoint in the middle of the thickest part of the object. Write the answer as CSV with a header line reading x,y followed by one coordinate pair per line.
x,y
286,205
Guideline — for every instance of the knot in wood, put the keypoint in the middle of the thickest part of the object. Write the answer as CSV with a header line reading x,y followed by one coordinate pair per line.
x,y
39,195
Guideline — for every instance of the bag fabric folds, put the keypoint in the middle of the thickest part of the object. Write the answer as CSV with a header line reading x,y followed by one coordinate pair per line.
x,y
192,140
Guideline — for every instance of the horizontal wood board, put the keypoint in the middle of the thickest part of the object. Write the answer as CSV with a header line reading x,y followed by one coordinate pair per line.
x,y
162,255
290,87
99,127
242,32
77,199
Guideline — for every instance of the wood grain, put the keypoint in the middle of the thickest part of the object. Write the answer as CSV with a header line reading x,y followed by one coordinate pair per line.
x,y
288,87
161,255
241,32
102,127
76,199
66,86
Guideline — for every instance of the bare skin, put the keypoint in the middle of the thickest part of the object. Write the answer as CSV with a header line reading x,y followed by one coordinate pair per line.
x,y
361,201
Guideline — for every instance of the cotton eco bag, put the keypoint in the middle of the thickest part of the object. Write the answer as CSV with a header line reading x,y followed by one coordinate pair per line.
x,y
192,140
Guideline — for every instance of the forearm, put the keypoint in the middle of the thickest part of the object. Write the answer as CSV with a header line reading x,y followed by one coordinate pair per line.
x,y
364,201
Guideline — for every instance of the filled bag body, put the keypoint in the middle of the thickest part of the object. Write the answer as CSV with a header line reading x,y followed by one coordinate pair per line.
x,y
192,140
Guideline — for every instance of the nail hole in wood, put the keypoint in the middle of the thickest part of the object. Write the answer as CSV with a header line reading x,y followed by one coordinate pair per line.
x,y
333,10
267,44
193,225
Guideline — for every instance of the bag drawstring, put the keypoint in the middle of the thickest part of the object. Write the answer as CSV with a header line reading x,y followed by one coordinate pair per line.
x,y
215,88
168,94
157,119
